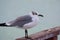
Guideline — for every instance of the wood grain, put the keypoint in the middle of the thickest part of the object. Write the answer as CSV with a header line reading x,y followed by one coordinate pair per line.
x,y
49,34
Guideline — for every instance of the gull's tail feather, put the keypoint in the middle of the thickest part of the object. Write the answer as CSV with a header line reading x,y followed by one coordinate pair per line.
x,y
3,24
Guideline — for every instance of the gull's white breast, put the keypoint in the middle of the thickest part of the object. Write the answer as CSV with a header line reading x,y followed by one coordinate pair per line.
x,y
34,22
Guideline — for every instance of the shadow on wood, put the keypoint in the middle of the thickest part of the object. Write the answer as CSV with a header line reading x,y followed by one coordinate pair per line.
x,y
49,34
52,38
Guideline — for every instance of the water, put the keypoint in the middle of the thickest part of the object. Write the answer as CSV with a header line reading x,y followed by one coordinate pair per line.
x,y
10,9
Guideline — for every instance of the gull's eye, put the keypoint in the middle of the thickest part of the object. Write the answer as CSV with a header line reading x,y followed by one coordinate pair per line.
x,y
34,13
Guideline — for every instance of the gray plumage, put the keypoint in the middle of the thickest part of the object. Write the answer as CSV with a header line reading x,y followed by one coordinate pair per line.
x,y
20,21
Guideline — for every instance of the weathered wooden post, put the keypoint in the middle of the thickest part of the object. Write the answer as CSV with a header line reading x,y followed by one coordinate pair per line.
x,y
49,34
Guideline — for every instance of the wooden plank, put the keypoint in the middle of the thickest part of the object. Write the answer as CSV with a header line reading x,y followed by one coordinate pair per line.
x,y
42,35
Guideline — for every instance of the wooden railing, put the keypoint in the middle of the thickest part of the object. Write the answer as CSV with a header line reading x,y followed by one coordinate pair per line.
x,y
49,34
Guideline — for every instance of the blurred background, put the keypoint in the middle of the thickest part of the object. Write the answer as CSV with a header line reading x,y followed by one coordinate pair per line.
x,y
10,9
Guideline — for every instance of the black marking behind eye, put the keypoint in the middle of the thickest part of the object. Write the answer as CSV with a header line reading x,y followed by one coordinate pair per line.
x,y
34,13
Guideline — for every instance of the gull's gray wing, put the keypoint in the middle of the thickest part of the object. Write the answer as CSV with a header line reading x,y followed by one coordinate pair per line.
x,y
20,21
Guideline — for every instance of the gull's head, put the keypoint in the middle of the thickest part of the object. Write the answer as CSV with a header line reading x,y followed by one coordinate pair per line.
x,y
34,13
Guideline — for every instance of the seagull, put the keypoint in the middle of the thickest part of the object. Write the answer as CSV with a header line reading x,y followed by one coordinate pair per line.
x,y
25,22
